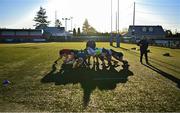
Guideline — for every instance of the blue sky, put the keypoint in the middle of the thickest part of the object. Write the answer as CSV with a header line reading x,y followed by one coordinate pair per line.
x,y
168,10
12,11
20,13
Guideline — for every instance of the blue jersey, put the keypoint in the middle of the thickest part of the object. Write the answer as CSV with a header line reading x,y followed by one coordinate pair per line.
x,y
81,55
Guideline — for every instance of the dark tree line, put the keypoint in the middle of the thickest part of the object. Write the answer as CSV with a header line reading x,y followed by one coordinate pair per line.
x,y
169,34
78,33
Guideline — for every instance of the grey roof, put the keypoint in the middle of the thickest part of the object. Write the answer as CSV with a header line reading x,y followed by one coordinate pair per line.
x,y
55,31
146,30
20,30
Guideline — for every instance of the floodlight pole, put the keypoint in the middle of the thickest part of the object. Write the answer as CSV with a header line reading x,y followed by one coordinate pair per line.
x,y
133,30
134,15
71,23
118,34
55,18
111,17
118,18
116,22
65,19
111,35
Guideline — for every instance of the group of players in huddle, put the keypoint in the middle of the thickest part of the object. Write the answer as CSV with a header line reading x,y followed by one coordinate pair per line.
x,y
81,58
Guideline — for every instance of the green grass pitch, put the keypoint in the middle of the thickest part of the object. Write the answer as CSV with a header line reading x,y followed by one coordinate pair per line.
x,y
38,85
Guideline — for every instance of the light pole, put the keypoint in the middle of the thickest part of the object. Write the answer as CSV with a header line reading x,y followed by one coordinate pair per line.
x,y
65,19
111,36
118,34
111,17
118,17
55,18
133,29
134,15
71,23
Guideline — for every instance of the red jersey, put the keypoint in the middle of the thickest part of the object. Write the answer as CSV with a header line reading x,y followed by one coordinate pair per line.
x,y
65,51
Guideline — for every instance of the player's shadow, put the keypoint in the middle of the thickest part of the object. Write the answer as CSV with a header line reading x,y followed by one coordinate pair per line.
x,y
167,75
89,78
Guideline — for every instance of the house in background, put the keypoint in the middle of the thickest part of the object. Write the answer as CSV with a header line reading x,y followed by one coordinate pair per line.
x,y
55,31
154,34
21,35
151,32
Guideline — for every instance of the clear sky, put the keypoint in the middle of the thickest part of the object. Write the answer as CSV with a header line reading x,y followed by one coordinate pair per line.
x,y
20,13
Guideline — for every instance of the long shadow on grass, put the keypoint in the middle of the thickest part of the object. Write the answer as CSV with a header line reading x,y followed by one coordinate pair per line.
x,y
89,78
167,75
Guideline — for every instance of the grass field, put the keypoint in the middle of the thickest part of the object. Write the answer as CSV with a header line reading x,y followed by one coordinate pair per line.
x,y
39,85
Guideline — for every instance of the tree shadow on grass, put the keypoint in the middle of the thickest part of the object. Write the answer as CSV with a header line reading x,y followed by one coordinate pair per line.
x,y
89,78
166,75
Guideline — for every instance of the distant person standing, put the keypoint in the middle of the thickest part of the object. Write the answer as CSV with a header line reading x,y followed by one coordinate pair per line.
x,y
118,40
143,49
111,39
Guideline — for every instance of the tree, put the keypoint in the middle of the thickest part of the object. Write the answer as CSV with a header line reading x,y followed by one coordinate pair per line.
x,y
58,23
87,28
41,19
124,30
177,35
79,31
92,30
168,33
74,32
